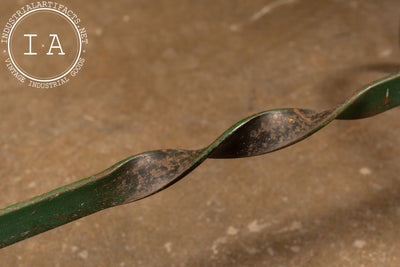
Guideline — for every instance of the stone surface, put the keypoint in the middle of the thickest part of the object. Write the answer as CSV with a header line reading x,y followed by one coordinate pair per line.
x,y
176,74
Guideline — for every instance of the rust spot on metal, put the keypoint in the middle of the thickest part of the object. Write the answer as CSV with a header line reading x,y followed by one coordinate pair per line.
x,y
301,115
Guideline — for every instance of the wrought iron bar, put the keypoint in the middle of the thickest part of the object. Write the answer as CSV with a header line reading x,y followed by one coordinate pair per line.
x,y
148,173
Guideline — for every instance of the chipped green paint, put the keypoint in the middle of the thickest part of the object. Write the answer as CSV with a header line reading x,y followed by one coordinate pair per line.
x,y
148,173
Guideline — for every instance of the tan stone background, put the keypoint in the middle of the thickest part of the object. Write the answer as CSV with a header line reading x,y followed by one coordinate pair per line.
x,y
176,74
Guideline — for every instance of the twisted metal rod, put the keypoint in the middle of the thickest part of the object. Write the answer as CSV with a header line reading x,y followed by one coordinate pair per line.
x,y
145,174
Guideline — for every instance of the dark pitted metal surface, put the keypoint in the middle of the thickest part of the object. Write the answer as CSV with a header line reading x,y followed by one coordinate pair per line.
x,y
176,75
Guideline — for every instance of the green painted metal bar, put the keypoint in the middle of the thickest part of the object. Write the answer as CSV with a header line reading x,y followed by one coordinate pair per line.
x,y
145,174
